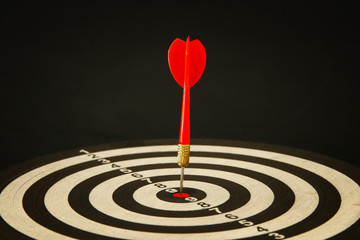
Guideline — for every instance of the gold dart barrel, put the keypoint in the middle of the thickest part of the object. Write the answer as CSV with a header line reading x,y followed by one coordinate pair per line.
x,y
183,155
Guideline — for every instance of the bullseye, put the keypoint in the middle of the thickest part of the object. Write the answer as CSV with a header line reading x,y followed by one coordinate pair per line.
x,y
237,191
182,195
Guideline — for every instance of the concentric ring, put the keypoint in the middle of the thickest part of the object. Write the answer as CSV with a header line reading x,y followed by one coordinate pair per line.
x,y
83,196
147,196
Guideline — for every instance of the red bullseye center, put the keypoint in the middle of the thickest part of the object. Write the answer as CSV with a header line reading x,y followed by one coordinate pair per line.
x,y
181,195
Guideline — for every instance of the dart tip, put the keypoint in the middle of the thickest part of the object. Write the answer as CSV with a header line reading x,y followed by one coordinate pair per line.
x,y
188,39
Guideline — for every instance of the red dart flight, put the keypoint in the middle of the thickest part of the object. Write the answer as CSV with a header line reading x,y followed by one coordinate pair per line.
x,y
187,62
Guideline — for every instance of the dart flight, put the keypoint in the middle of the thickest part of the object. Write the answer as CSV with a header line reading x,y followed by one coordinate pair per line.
x,y
187,62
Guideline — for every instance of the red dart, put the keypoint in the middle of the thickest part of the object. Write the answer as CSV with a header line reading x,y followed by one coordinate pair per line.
x,y
187,62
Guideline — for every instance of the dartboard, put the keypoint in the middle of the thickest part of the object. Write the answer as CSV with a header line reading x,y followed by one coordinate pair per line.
x,y
232,190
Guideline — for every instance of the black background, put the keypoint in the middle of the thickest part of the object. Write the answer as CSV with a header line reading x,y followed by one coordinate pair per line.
x,y
81,73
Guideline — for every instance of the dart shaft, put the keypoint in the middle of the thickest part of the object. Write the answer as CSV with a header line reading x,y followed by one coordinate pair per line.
x,y
184,137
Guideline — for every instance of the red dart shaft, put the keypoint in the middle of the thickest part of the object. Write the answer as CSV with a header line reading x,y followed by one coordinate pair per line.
x,y
184,137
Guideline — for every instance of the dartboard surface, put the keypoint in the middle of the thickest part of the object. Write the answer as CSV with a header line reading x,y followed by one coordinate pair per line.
x,y
236,190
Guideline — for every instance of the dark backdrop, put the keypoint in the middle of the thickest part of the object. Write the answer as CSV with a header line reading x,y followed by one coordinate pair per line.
x,y
81,73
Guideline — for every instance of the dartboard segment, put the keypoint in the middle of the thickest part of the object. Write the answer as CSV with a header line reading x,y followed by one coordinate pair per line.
x,y
236,190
